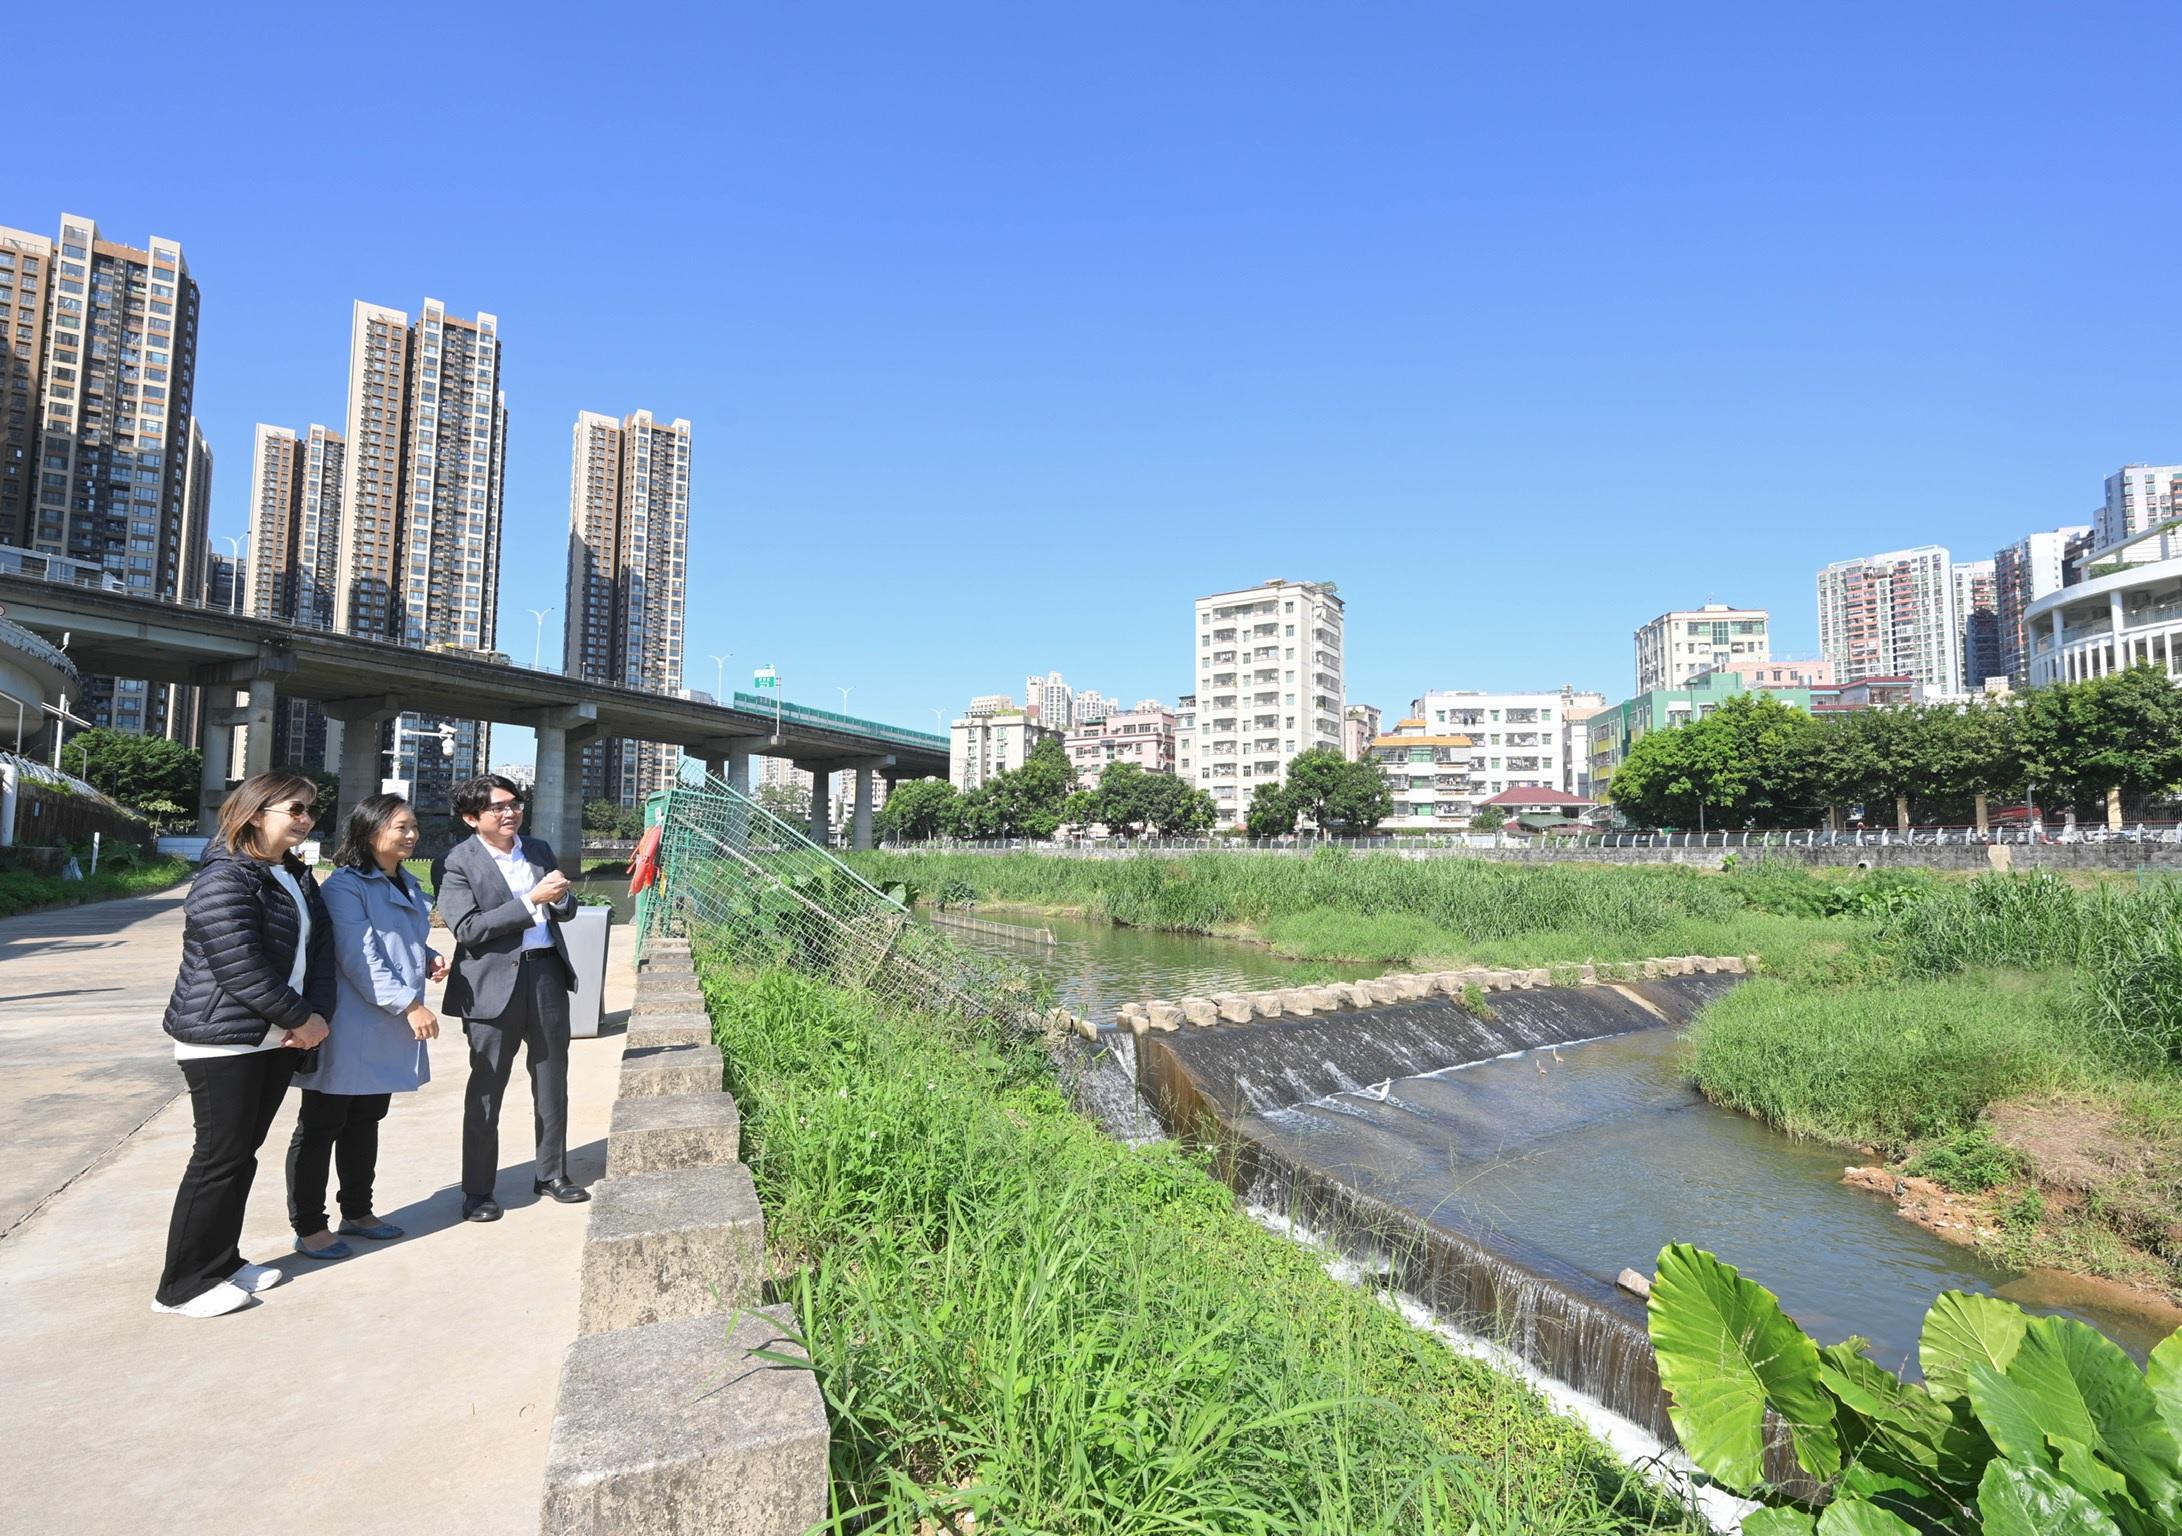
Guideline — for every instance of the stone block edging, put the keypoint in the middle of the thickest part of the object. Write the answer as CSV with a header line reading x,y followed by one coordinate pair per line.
x,y
676,1243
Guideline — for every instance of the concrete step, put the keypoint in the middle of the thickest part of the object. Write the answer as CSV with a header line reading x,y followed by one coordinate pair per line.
x,y
674,1130
670,1069
674,1427
650,1000
684,1242
656,1029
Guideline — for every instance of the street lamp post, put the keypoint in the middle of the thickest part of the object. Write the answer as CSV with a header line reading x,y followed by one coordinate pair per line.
x,y
234,585
845,700
719,677
537,640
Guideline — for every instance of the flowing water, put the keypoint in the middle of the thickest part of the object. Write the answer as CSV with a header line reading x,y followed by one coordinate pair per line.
x,y
1505,1170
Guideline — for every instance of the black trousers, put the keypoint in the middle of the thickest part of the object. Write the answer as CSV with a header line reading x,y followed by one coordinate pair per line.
x,y
341,1129
233,1100
536,1020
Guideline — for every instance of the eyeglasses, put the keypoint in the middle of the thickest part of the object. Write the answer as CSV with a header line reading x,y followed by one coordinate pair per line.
x,y
504,808
297,810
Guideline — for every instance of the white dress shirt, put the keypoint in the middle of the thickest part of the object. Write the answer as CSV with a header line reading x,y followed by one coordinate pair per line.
x,y
516,870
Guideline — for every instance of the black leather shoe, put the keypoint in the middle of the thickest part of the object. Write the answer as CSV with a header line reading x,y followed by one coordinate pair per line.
x,y
480,1208
562,1190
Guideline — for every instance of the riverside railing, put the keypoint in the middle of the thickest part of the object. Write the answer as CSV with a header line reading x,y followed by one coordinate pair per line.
x,y
750,887
2149,832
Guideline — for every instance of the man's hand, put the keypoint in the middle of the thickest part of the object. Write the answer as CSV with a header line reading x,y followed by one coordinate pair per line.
x,y
312,1031
551,887
437,971
423,1022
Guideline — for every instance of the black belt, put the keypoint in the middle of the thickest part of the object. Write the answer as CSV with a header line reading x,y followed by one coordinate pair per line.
x,y
537,952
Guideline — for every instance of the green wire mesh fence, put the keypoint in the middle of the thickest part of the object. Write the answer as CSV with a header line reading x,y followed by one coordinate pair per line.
x,y
742,883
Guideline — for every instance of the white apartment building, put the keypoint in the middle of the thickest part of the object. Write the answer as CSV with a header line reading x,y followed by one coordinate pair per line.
x,y
1185,738
2139,497
1977,625
1269,685
1522,740
1051,699
991,704
982,747
1093,705
2025,571
1676,646
1892,615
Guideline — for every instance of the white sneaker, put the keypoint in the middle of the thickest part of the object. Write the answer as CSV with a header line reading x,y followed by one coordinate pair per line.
x,y
257,1277
217,1302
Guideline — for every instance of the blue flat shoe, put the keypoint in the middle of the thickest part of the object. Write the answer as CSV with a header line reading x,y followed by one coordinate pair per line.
x,y
378,1232
333,1250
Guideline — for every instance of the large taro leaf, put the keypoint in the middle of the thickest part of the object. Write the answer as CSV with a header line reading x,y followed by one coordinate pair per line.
x,y
1854,1517
1961,1329
1726,1353
2163,1374
2015,1500
1779,1522
2070,1393
1895,1440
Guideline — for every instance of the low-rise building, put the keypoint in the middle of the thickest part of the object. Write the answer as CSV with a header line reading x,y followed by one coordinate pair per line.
x,y
1615,729
1145,736
982,747
1543,810
1816,672
1428,773
1522,739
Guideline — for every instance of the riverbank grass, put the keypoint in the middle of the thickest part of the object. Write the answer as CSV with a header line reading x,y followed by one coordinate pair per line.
x,y
1013,1316
24,890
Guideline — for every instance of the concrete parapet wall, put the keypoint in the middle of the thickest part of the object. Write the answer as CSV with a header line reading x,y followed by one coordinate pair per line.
x,y
666,1421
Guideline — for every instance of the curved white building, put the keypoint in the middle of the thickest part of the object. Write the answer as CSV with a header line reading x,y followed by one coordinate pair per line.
x,y
2126,613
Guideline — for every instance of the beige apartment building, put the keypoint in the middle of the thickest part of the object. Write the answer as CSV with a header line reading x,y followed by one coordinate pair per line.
x,y
99,461
295,546
419,553
1269,685
628,548
1676,646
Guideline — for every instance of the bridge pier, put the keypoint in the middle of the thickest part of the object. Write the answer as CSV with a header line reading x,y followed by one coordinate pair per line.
x,y
821,817
728,759
358,763
212,778
556,808
860,824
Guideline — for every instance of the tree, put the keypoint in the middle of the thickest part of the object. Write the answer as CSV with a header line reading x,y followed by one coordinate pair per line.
x,y
1030,801
918,809
1272,811
600,815
1753,761
1122,800
2112,736
149,774
790,802
1179,809
1488,818
1336,794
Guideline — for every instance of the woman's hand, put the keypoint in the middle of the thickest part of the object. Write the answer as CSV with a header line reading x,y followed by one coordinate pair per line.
x,y
437,970
311,1032
423,1022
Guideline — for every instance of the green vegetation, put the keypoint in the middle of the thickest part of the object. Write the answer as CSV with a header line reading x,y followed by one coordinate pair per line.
x,y
610,818
122,872
2022,1426
1128,802
1039,798
1756,762
1325,789
1011,1315
155,777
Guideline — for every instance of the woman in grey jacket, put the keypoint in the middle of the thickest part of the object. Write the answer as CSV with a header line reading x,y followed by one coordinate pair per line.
x,y
381,1025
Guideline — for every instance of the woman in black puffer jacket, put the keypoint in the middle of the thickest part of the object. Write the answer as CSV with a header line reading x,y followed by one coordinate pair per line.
x,y
256,984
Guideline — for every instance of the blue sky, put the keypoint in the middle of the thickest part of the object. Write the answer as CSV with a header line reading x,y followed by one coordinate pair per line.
x,y
1006,332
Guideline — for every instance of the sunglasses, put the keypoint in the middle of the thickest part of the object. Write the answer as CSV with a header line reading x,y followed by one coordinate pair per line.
x,y
299,810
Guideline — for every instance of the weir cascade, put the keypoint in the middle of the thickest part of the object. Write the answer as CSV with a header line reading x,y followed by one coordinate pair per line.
x,y
1220,1086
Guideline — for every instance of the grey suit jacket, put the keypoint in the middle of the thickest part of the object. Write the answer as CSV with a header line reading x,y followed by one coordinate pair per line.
x,y
487,920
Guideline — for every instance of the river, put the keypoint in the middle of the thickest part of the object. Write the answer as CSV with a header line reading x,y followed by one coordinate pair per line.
x,y
1592,1155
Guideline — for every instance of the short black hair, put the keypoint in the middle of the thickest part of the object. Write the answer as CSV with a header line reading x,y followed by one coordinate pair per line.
x,y
472,796
365,821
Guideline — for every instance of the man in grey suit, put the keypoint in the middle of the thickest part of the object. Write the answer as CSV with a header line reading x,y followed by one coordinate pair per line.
x,y
504,898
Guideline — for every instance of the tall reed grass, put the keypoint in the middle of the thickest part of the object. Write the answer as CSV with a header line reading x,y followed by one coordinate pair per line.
x,y
1011,1315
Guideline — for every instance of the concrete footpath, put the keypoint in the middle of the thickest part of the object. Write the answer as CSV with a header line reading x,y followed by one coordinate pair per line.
x,y
409,1388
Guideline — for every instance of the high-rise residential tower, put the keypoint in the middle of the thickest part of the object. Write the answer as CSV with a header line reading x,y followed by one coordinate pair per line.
x,y
2138,497
2024,572
1268,662
100,349
1892,615
1977,624
628,543
295,546
1051,700
1676,646
419,551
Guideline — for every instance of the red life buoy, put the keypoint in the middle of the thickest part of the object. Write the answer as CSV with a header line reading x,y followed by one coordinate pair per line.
x,y
644,868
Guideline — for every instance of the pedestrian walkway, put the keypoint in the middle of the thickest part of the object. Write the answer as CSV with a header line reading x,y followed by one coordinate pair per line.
x,y
410,1388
